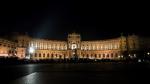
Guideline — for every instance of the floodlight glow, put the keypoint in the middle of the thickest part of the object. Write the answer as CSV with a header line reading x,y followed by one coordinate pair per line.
x,y
31,50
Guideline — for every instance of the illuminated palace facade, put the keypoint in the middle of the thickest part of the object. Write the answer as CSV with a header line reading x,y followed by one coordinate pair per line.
x,y
24,46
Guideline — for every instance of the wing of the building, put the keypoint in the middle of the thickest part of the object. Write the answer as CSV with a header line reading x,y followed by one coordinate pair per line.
x,y
24,46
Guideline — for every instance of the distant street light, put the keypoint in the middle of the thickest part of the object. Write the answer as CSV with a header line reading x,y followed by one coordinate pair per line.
x,y
139,60
31,50
148,53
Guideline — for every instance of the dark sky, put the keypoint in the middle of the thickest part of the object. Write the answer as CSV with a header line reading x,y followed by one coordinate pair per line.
x,y
55,19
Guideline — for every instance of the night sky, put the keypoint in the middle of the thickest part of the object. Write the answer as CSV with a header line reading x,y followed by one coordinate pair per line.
x,y
55,19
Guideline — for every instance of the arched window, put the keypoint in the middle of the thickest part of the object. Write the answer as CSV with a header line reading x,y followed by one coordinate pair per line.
x,y
95,55
83,55
52,55
35,55
64,56
99,55
39,54
116,55
107,55
102,47
103,55
87,56
44,55
111,54
56,55
60,56
48,55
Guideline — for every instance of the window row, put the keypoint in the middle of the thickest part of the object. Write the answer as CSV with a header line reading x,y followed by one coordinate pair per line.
x,y
48,55
102,47
112,55
5,45
51,47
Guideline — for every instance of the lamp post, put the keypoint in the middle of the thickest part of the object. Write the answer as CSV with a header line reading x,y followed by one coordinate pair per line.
x,y
31,50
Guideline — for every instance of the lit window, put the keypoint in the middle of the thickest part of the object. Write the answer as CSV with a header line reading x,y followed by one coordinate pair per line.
x,y
62,47
94,47
110,46
97,47
81,48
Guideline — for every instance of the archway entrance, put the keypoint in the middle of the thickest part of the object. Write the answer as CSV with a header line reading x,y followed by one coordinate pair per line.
x,y
74,51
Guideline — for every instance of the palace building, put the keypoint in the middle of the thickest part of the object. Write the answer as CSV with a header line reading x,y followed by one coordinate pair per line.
x,y
24,46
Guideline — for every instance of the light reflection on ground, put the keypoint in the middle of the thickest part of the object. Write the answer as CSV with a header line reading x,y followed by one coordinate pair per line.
x,y
29,79
75,73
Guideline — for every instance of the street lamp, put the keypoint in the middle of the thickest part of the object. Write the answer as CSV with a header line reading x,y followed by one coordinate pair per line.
x,y
31,50
148,53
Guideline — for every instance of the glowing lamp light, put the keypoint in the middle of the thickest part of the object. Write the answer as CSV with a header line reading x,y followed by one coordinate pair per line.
x,y
27,57
31,50
139,60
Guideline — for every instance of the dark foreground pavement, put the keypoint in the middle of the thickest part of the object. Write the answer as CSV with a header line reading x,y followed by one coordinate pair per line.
x,y
108,73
